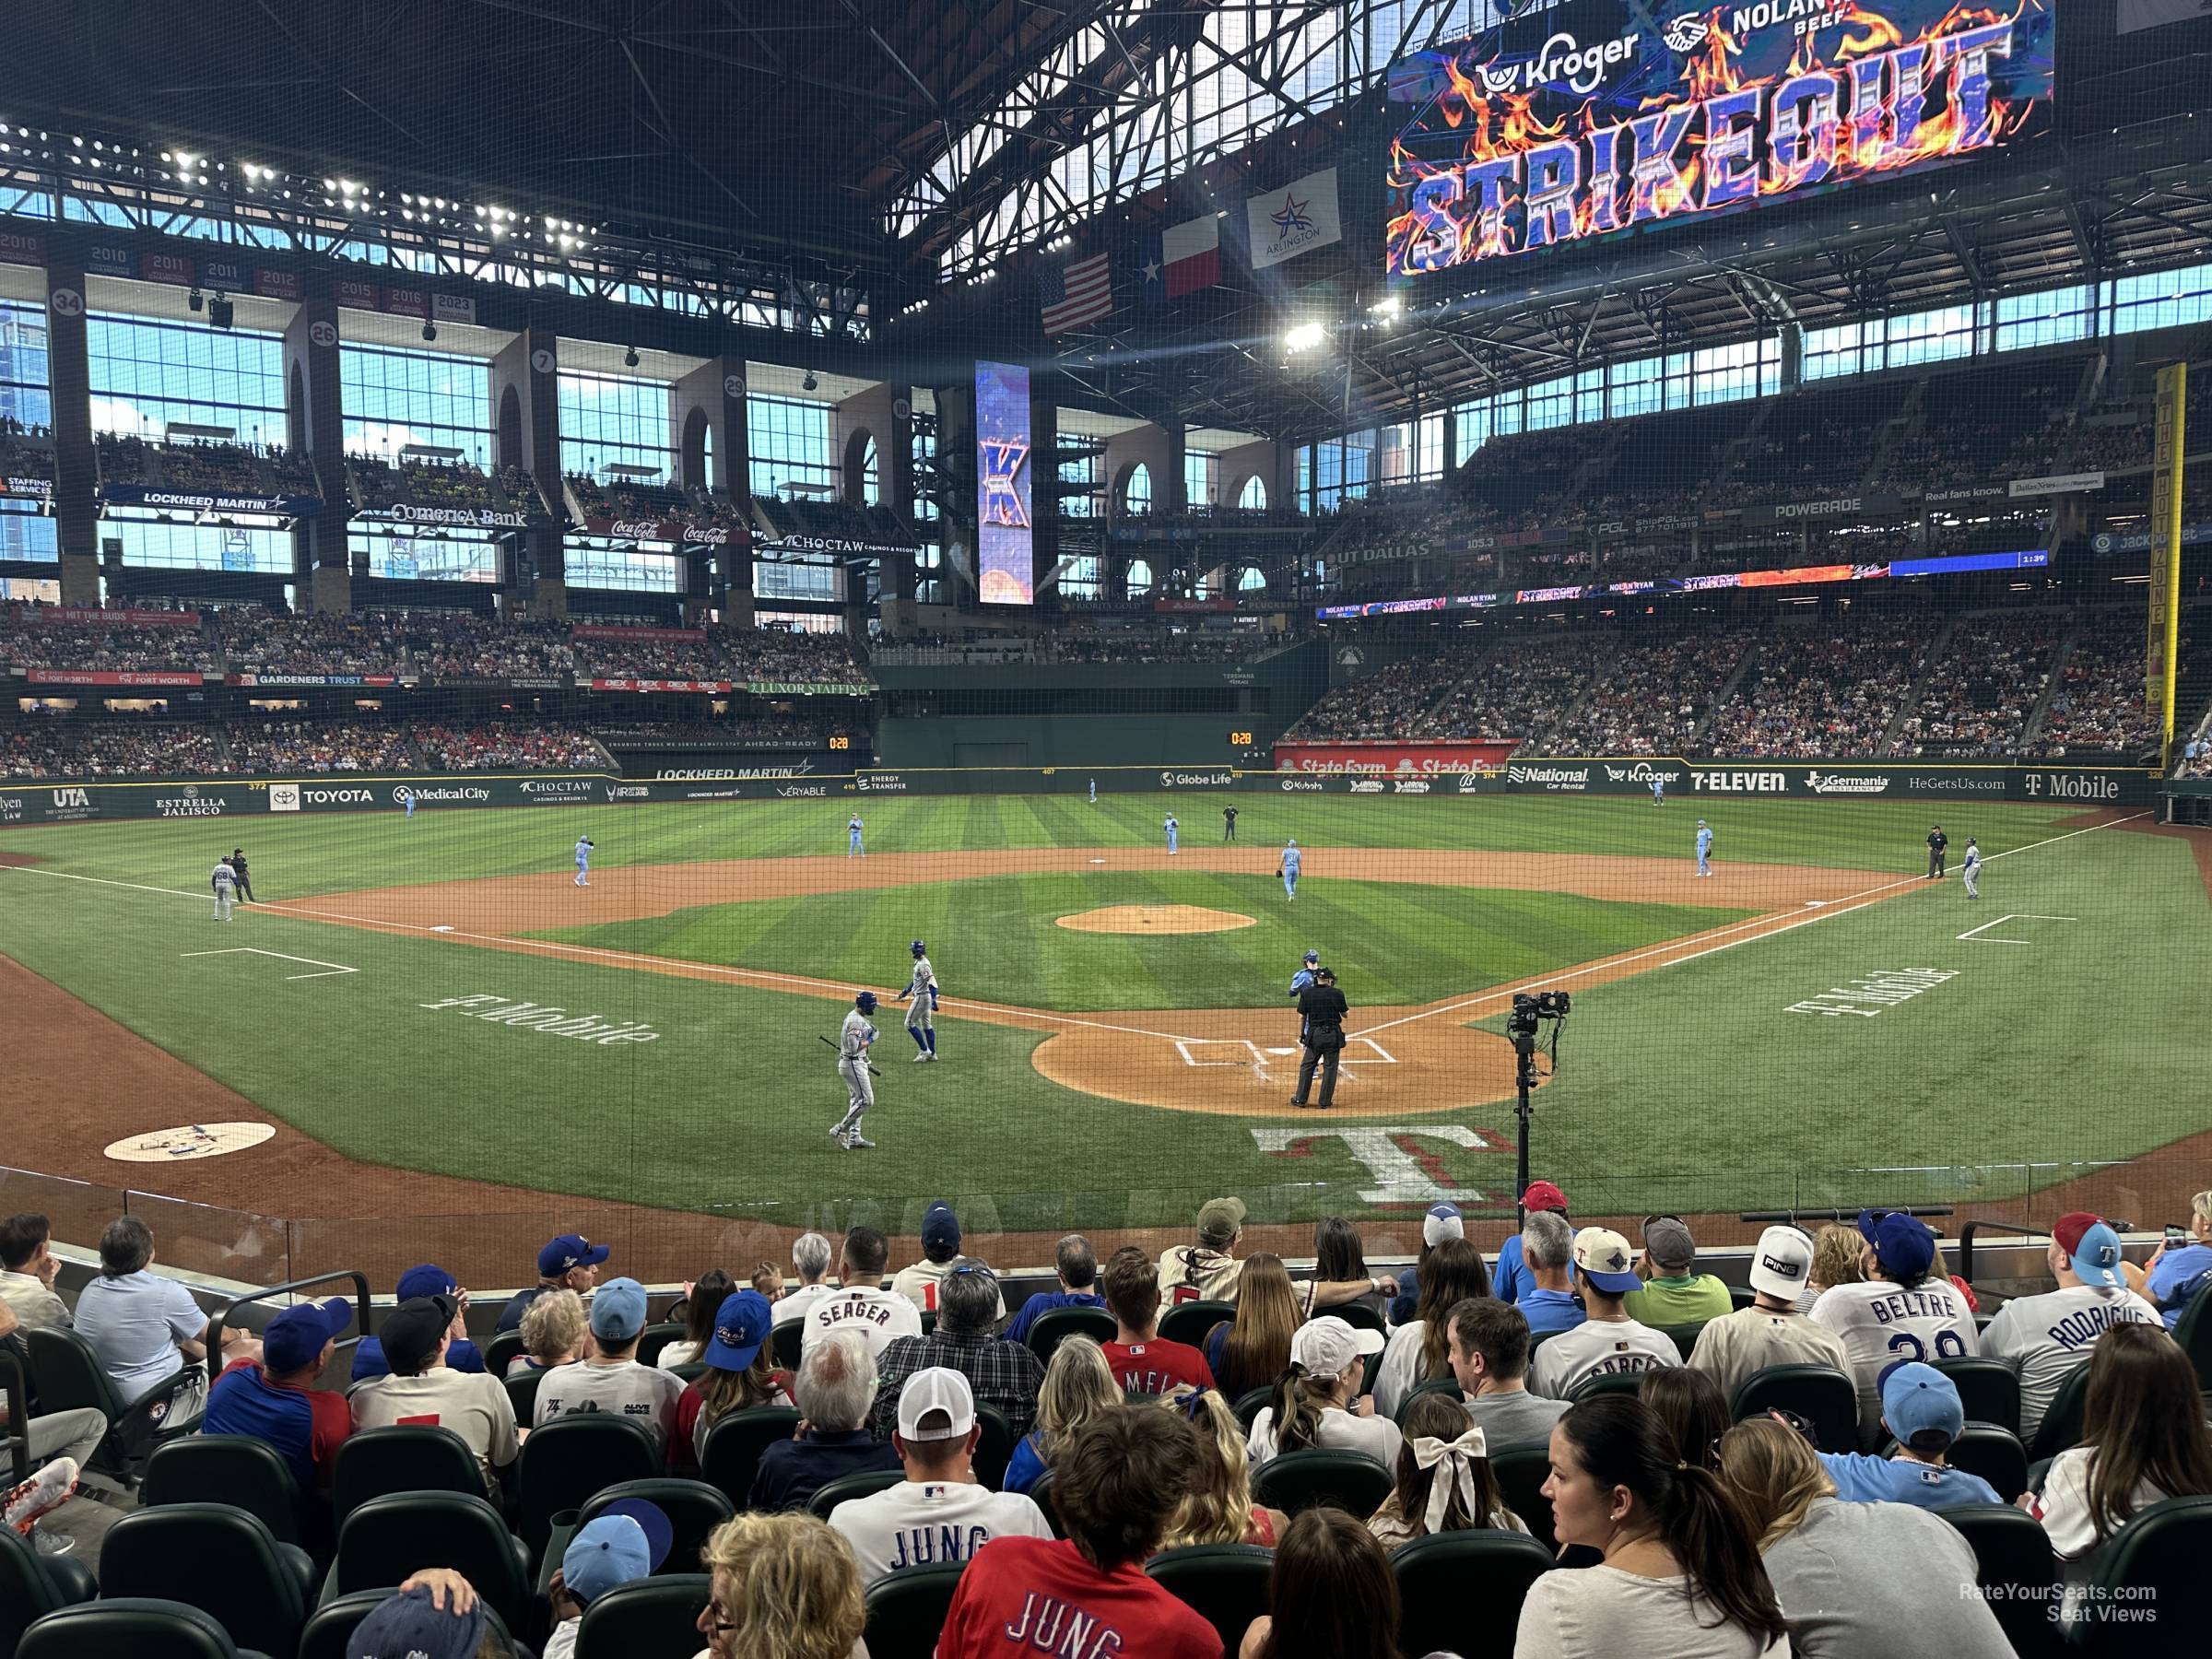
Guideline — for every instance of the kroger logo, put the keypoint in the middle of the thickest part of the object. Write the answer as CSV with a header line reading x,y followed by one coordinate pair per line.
x,y
1562,59
1828,783
1643,771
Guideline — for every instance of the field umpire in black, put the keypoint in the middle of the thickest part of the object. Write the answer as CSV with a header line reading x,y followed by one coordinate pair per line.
x,y
1321,1007
236,861
1937,841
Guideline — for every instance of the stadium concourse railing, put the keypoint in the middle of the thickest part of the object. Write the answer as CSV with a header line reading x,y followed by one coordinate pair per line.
x,y
53,801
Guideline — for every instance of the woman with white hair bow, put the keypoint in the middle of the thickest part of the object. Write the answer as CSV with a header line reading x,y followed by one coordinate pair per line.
x,y
1444,1478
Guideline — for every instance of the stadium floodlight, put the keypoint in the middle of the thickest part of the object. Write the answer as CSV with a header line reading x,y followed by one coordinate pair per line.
x,y
630,357
430,332
219,312
1304,337
809,384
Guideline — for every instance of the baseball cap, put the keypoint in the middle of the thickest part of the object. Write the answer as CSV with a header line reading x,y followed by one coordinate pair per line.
x,y
1783,1263
940,1227
618,1309
1312,956
2067,1229
1325,1346
935,1388
296,1336
1917,1397
1668,1242
1543,1195
2096,1257
428,1280
412,1331
1902,1243
741,1326
1441,1222
1604,1258
570,1249
1218,1219
623,1543
410,1625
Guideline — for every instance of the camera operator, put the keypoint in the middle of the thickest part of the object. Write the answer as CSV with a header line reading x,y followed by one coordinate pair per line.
x,y
1321,1008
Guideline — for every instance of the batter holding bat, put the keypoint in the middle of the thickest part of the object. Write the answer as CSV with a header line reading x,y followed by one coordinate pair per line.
x,y
854,1041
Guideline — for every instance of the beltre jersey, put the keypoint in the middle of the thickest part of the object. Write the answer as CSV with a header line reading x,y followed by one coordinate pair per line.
x,y
925,978
854,1039
1883,1325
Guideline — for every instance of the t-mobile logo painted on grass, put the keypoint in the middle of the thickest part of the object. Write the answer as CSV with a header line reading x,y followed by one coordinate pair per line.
x,y
1402,1172
554,1023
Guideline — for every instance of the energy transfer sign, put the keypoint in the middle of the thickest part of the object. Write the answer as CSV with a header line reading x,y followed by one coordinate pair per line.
x,y
1585,118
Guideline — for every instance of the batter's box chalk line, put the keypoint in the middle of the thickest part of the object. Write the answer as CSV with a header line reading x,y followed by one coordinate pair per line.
x,y
1244,1051
1982,936
328,968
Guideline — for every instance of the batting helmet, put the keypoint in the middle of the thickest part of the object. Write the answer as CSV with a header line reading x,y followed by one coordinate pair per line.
x,y
866,1002
918,947
1312,956
1291,843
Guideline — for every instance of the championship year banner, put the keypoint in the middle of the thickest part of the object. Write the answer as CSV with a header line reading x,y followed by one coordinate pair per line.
x,y
1582,119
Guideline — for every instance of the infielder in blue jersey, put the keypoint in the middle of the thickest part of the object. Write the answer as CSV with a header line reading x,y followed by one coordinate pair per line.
x,y
852,847
921,1018
1173,830
1704,849
584,859
1972,872
1288,869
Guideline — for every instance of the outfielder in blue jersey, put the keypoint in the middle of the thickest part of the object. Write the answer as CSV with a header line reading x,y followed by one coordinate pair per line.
x,y
852,847
1288,869
1704,849
1658,792
583,861
410,800
1094,792
1173,830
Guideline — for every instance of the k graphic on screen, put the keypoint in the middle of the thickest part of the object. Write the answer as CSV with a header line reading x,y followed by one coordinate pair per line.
x,y
1005,574
1578,120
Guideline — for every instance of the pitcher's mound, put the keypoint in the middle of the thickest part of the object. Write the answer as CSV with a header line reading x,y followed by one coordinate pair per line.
x,y
1156,919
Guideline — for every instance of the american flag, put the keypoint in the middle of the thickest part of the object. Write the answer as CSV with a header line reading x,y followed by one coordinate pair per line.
x,y
1076,293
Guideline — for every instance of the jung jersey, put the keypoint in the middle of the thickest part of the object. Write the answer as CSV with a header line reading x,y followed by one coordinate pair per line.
x,y
1599,1348
1884,1326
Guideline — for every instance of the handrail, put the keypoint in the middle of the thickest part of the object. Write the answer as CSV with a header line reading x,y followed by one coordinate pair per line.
x,y
1966,1240
1793,1215
15,1390
214,1347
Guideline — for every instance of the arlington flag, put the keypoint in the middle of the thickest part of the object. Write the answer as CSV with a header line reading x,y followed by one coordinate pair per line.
x,y
1292,218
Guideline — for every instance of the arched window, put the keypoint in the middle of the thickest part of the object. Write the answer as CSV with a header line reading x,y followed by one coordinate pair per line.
x,y
1252,582
1082,580
1140,579
1136,494
871,475
1255,493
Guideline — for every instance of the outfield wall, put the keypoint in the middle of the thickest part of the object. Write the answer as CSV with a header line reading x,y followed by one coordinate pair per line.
x,y
54,801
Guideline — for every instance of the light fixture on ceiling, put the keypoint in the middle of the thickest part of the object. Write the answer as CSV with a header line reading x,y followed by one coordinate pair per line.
x,y
630,357
809,384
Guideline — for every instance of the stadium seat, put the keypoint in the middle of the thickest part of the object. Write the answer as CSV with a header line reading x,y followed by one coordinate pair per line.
x,y
865,1484
565,1462
1226,1584
410,1457
1994,1453
2155,1566
651,1618
1821,1394
1741,1297
1684,1337
1041,1494
785,1343
1360,1315
522,1394
386,1540
654,1337
2193,1332
1444,1385
733,1445
906,1610
1351,1481
330,1625
2062,1423
1522,1472
235,1469
1606,1383
1441,1577
1056,1326
691,1370
694,1510
994,1450
1989,1389
504,1350
33,1586
2013,1561
1251,1404
143,1630
65,1375
217,1559
1189,1322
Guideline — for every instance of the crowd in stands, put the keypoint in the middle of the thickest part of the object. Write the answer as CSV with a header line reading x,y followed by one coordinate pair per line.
x,y
495,745
26,452
1703,1472
1522,690
278,747
644,657
1134,645
1979,696
2097,707
461,645
274,643
29,639
1385,705
203,466
381,486
623,499
50,747
794,729
782,653
1648,698
1822,694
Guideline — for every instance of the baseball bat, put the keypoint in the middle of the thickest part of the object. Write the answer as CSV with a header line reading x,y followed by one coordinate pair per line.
x,y
869,1064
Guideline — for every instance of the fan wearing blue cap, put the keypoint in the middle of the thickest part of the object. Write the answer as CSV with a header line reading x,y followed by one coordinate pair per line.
x,y
275,1399
625,1541
2047,1337
741,1374
1902,1311
569,1262
609,1377
429,1279
435,1614
1922,1409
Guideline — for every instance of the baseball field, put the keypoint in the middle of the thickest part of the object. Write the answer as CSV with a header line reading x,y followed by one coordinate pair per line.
x,y
435,1019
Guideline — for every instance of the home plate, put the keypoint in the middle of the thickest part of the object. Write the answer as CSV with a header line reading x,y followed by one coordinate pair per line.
x,y
1283,1050
442,928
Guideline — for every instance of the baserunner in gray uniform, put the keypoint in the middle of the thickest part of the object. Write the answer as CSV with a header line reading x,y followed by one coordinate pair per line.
x,y
854,1041
922,1014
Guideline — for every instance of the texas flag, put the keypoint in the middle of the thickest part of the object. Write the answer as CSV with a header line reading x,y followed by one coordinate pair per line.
x,y
1183,259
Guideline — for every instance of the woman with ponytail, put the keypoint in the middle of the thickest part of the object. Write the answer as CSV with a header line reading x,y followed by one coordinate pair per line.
x,y
1680,1576
1317,1402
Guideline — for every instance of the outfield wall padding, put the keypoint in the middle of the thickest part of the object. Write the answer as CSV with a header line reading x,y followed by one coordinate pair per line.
x,y
53,801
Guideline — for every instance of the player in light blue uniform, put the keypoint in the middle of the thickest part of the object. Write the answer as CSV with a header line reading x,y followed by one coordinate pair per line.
x,y
1704,849
1658,792
1974,869
1094,792
1292,858
409,798
1173,830
584,859
852,847
1304,976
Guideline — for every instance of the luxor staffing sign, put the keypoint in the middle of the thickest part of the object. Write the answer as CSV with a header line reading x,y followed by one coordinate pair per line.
x,y
1579,119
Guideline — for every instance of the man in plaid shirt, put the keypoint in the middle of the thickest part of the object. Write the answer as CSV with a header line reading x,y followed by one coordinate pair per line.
x,y
1003,1375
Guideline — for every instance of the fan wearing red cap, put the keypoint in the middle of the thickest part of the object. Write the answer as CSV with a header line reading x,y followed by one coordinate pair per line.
x,y
1514,1277
1900,1312
2046,1338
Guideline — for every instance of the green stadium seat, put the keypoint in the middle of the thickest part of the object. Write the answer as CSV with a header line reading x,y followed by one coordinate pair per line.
x,y
567,1460
235,1469
2062,1423
1441,1576
410,1457
906,1610
2014,1564
2155,1562
1189,1322
1522,1472
1056,1326
1226,1584
653,1338
1821,1394
143,1629
1444,1385
330,1626
33,1586
731,1453
845,1487
1606,1383
1988,1389
217,1559
1351,1481
385,1540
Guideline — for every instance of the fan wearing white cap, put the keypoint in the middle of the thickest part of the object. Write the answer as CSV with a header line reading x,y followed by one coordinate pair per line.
x,y
1317,1402
2046,1338
1608,1342
940,1514
1772,1330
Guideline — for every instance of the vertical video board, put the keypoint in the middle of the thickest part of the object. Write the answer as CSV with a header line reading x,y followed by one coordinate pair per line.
x,y
1005,571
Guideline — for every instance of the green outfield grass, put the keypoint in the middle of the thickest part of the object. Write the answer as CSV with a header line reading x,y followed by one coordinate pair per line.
x,y
1689,1088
